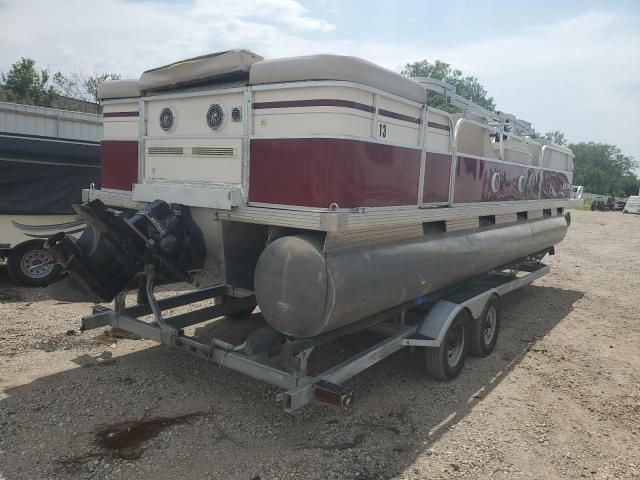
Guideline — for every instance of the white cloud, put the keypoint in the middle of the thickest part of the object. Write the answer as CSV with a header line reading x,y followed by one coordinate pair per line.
x,y
579,75
132,36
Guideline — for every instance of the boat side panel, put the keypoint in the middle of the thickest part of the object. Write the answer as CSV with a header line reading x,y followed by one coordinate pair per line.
x,y
436,178
317,172
474,176
556,185
119,160
119,146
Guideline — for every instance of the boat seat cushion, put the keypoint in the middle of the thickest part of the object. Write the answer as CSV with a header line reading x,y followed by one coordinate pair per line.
x,y
217,67
118,89
336,67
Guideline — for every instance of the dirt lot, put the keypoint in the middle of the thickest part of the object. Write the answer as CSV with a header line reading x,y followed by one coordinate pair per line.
x,y
560,397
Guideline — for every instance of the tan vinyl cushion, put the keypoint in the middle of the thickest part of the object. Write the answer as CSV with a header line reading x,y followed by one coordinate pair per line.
x,y
199,70
118,89
336,67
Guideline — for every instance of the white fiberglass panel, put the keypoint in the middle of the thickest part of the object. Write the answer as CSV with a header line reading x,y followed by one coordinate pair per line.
x,y
296,122
194,160
190,115
397,122
313,110
118,123
556,160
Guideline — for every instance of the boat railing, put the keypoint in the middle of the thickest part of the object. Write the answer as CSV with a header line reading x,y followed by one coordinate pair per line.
x,y
448,91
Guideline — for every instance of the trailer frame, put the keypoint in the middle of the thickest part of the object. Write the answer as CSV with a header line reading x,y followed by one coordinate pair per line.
x,y
282,361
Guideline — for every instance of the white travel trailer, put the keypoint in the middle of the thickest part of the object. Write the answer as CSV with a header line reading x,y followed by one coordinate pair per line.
x,y
47,156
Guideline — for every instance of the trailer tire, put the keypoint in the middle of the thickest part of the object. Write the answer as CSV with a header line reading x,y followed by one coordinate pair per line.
x,y
235,315
446,361
485,330
32,254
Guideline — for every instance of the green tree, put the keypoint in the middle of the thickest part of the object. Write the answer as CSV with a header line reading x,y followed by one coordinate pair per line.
x,y
629,185
603,168
25,84
466,86
556,137
80,86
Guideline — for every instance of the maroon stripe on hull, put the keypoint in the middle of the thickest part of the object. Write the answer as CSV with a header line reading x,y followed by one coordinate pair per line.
x,y
555,185
317,172
398,116
439,126
316,102
332,102
120,114
437,173
473,181
119,161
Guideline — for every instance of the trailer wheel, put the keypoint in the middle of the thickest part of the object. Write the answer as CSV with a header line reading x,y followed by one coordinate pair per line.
x,y
446,361
29,264
484,330
235,315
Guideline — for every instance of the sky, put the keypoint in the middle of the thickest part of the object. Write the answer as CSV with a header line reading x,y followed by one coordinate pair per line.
x,y
565,65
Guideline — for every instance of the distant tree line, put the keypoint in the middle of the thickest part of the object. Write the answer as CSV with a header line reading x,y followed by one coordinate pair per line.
x,y
25,83
599,167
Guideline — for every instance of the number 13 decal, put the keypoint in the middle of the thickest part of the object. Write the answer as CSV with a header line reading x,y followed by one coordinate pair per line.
x,y
382,130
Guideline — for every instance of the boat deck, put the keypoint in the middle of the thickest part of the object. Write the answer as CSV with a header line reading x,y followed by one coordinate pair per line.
x,y
457,217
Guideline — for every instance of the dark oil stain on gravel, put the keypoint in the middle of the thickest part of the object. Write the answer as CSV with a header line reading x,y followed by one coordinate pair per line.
x,y
356,442
127,438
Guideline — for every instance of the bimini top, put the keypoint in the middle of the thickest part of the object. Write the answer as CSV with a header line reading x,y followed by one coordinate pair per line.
x,y
227,66
336,67
118,89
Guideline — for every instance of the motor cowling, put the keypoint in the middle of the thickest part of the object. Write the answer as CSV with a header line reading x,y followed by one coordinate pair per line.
x,y
119,244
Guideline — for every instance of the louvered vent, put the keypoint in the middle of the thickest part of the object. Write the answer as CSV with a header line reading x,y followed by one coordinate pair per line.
x,y
167,119
236,114
215,116
213,151
170,151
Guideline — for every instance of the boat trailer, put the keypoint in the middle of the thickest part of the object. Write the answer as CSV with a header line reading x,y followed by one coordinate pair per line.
x,y
431,322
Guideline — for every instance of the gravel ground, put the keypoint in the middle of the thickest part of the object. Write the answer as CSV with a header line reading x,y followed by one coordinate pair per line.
x,y
559,398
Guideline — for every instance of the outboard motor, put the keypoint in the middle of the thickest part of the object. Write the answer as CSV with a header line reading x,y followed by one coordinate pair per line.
x,y
116,247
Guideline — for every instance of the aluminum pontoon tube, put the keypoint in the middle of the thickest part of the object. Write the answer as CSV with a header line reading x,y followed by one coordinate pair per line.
x,y
303,291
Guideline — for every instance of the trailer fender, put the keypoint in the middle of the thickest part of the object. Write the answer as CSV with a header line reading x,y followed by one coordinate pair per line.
x,y
433,325
476,304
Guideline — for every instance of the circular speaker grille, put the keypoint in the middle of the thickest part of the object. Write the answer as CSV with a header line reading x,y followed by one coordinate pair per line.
x,y
167,119
215,116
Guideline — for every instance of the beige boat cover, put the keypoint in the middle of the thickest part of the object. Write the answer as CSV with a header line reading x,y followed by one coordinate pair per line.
x,y
336,67
118,89
220,66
